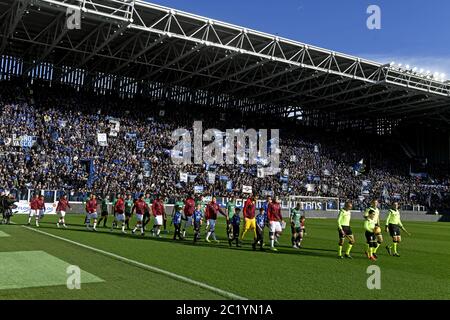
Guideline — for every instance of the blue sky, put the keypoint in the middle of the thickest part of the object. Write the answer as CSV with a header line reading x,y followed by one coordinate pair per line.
x,y
415,32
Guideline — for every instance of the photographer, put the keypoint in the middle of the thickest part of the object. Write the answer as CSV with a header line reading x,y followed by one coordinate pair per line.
x,y
6,207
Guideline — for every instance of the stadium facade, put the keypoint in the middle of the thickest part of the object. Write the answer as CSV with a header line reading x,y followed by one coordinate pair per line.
x,y
138,48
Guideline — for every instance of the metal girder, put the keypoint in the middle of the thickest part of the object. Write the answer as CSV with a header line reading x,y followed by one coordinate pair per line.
x,y
230,77
290,73
272,76
15,16
423,106
205,68
170,63
59,33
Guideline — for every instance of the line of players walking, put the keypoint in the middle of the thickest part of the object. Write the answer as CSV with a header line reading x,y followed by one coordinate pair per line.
x,y
195,213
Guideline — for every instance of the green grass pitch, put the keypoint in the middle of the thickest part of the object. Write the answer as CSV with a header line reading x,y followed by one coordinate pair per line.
x,y
314,272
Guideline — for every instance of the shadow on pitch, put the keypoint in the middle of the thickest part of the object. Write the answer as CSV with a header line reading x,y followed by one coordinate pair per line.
x,y
168,238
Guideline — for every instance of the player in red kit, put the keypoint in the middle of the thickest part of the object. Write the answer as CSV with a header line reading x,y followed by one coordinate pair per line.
x,y
212,209
61,209
275,221
158,212
119,211
41,208
91,209
189,208
140,207
34,210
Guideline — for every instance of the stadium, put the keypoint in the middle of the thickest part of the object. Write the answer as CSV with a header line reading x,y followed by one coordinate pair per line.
x,y
91,93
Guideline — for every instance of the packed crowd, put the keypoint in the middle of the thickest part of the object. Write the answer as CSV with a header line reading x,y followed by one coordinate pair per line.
x,y
65,153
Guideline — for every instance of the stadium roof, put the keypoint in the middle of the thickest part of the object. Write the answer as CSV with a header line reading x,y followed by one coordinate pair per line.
x,y
143,43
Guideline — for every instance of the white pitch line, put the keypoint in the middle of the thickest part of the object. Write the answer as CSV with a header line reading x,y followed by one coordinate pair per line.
x,y
147,267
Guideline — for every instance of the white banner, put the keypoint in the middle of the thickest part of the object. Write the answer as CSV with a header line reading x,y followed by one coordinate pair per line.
x,y
211,177
114,125
247,189
183,177
23,207
310,187
260,173
102,139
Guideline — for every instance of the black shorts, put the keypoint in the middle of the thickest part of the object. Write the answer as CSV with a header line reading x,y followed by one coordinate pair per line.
x,y
371,237
128,214
104,213
146,215
394,230
296,230
347,230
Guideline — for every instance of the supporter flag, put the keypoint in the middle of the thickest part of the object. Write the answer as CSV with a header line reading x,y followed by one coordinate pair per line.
x,y
247,189
229,186
316,148
183,177
211,177
260,173
198,189
385,193
147,168
102,139
267,193
223,178
140,145
114,126
284,187
359,168
130,136
310,187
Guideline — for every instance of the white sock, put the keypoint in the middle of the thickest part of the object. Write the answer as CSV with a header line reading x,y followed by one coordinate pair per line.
x,y
95,224
123,227
142,229
135,228
271,243
158,232
207,236
29,219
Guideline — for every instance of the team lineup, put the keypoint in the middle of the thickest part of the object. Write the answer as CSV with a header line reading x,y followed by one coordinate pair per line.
x,y
192,214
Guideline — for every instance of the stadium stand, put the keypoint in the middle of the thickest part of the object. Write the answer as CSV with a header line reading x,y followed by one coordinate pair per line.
x,y
64,153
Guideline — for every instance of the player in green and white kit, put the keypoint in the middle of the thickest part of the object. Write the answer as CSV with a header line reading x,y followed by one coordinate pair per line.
x,y
148,201
296,227
114,201
231,206
344,230
374,207
393,225
128,207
